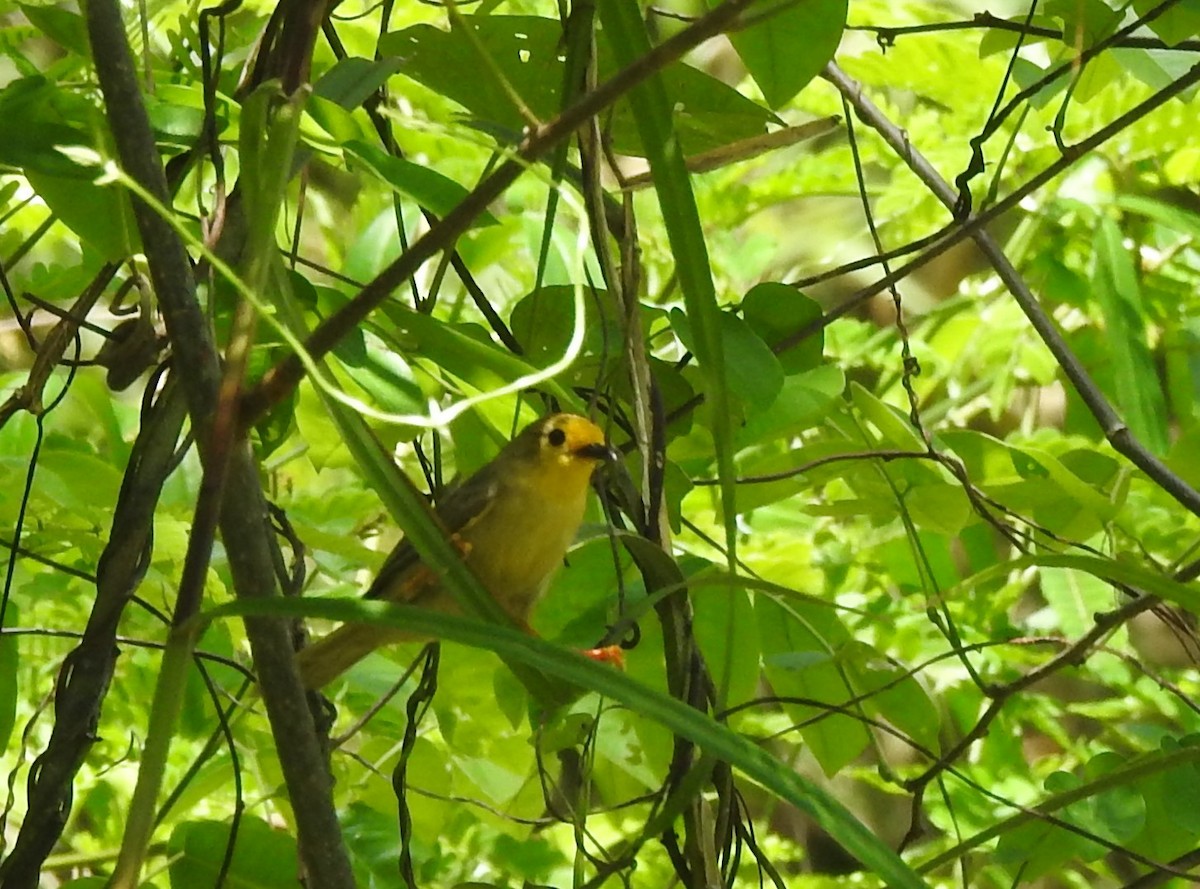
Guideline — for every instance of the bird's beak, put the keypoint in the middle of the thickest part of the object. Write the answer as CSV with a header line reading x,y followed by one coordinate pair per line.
x,y
598,451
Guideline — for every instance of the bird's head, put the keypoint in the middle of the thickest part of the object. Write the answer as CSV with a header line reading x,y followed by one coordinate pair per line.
x,y
566,443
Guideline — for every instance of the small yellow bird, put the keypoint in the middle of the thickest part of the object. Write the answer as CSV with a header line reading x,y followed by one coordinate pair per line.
x,y
513,520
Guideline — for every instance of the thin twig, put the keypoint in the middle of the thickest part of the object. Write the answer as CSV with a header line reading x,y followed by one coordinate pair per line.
x,y
1114,428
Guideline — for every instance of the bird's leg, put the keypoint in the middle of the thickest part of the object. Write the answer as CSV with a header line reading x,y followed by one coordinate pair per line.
x,y
613,655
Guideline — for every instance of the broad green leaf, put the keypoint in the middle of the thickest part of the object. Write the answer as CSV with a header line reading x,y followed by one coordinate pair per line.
x,y
1088,21
1184,457
373,836
804,401
753,373
386,377
1117,813
1001,40
1038,465
801,647
1180,22
1154,68
352,80
1119,295
429,188
497,782
726,633
527,50
178,124
1185,595
790,46
1184,783
543,322
895,430
775,311
1026,73
64,27
338,128
1023,833
1076,598
99,214
926,572
894,695
939,507
1035,849
263,858
78,480
462,350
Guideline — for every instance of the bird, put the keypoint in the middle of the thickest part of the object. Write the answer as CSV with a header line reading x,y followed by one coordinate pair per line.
x,y
512,520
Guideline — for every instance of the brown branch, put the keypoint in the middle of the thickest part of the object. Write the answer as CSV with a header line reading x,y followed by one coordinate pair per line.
x,y
1113,426
50,352
244,525
1071,656
888,34
284,377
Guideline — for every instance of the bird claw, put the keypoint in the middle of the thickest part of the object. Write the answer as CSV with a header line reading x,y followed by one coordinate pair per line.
x,y
612,655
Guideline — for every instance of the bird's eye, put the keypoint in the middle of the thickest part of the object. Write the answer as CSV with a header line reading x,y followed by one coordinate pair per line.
x,y
556,437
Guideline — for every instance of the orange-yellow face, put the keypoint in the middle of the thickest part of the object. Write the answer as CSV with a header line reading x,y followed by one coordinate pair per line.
x,y
571,440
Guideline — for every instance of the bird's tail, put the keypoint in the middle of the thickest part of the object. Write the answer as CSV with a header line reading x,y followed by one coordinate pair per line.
x,y
328,658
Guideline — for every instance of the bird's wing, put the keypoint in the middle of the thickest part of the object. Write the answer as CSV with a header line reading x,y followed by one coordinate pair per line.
x,y
462,507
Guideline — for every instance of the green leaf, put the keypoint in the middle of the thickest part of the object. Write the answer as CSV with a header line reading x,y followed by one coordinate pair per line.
x,y
527,50
336,123
1076,598
790,46
804,401
941,507
895,695
99,214
430,189
64,27
544,322
776,311
498,783
1119,295
353,80
263,858
176,119
801,646
1185,595
1088,21
894,428
1180,22
463,350
384,375
726,634
753,373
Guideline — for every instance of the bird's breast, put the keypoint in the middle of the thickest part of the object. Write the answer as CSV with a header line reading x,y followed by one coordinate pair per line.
x,y
518,545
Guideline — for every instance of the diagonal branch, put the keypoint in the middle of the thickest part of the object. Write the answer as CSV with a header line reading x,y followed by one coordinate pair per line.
x,y
1114,427
284,377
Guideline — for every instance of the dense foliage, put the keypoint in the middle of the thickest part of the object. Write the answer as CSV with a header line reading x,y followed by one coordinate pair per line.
x,y
891,309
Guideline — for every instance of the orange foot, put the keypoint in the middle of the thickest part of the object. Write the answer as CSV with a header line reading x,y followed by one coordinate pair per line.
x,y
608,654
